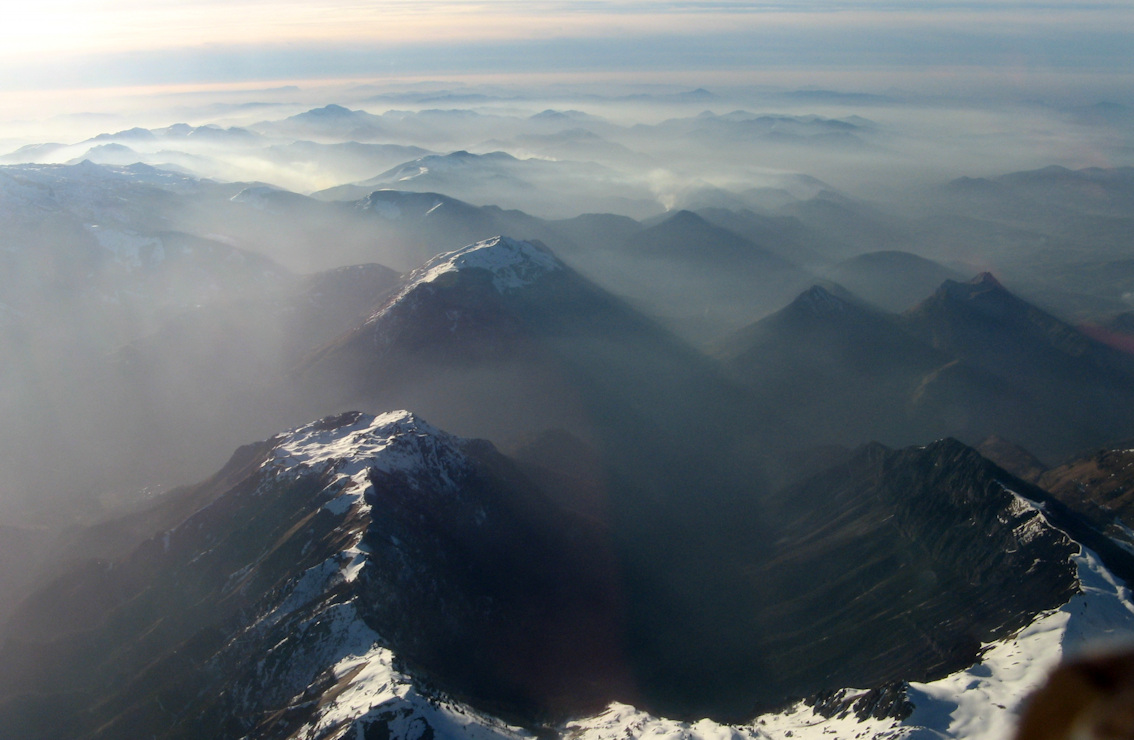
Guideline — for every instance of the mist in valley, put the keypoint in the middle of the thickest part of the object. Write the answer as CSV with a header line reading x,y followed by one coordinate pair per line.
x,y
742,282
163,282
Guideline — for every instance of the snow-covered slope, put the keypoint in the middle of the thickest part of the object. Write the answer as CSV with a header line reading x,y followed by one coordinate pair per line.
x,y
982,702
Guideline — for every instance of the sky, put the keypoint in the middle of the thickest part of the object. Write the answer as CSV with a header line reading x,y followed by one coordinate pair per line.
x,y
67,44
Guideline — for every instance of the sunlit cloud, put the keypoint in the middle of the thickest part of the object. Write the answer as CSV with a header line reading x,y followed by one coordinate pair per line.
x,y
59,43
83,26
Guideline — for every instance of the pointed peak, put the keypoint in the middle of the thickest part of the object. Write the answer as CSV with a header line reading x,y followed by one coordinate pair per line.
x,y
819,301
685,221
337,435
331,110
396,442
949,446
986,279
984,285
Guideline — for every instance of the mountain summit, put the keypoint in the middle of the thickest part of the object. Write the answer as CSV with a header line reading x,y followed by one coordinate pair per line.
x,y
272,611
513,264
1085,387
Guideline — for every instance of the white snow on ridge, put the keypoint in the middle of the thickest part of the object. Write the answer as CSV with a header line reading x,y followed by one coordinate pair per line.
x,y
389,442
983,702
392,442
257,196
621,721
372,690
368,689
513,263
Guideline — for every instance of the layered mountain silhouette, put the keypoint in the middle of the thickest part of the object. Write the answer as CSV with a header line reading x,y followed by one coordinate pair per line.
x,y
1090,385
697,276
581,358
891,280
970,361
699,536
500,178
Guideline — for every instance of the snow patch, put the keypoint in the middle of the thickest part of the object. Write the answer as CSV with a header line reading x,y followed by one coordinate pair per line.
x,y
513,264
370,691
257,196
396,441
621,721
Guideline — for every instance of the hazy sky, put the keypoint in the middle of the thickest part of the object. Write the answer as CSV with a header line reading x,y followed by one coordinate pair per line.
x,y
92,43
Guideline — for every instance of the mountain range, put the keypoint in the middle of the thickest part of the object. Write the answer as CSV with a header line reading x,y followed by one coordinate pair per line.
x,y
969,361
736,454
376,574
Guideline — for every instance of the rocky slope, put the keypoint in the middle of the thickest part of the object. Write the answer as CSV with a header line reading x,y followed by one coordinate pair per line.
x,y
373,574
274,606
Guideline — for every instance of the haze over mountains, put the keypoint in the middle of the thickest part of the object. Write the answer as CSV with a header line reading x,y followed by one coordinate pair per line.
x,y
633,414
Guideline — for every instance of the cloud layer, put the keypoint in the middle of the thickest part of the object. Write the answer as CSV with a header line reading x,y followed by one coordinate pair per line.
x,y
77,43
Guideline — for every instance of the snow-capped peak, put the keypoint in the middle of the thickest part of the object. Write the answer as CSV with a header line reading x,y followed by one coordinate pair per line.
x,y
256,195
348,450
397,441
513,264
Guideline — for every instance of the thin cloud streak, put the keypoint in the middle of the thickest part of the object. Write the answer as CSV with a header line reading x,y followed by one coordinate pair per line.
x,y
61,27
72,43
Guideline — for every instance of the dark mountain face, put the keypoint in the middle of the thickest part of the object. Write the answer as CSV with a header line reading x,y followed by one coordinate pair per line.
x,y
503,341
433,332
847,373
987,327
981,321
879,558
971,361
1013,458
314,544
